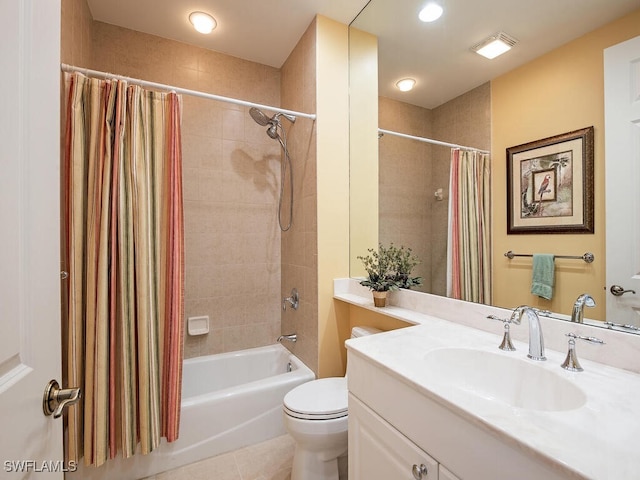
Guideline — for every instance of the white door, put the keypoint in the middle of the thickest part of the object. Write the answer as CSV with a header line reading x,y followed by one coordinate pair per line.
x,y
29,235
622,147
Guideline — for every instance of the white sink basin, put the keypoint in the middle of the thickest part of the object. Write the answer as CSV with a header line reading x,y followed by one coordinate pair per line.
x,y
510,380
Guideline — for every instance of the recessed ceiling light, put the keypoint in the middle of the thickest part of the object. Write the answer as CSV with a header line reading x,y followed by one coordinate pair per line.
x,y
430,13
494,45
405,84
202,22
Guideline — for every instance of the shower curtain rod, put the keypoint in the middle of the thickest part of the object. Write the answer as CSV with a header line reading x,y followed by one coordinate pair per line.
x,y
194,93
429,140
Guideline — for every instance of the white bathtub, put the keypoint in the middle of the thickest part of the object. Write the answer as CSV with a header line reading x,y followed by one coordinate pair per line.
x,y
229,401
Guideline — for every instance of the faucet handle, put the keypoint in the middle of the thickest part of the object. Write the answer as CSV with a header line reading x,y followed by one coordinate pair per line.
x,y
293,300
571,363
506,339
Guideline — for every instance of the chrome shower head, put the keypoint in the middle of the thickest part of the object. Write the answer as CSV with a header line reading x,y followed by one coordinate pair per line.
x,y
272,123
259,117
272,130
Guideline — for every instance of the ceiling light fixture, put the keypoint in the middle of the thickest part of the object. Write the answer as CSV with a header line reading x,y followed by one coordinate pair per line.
x,y
495,45
405,84
202,22
430,13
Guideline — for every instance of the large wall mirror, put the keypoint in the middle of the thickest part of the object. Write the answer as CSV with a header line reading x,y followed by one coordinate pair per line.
x,y
548,84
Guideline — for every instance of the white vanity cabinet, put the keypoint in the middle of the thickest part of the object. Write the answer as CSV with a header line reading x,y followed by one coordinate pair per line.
x,y
395,424
377,451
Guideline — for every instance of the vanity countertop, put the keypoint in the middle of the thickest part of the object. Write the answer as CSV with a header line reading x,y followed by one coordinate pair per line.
x,y
597,440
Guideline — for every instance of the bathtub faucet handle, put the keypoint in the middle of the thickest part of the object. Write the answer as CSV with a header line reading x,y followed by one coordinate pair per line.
x,y
293,300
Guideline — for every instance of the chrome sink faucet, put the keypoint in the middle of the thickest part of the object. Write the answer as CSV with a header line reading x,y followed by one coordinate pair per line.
x,y
577,314
536,342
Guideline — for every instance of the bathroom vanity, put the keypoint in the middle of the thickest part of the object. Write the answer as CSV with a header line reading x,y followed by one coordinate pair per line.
x,y
439,400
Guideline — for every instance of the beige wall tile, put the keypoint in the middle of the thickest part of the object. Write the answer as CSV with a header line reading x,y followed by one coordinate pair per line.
x,y
299,258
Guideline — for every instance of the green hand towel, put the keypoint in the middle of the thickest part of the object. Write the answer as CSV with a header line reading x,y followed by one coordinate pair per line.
x,y
543,275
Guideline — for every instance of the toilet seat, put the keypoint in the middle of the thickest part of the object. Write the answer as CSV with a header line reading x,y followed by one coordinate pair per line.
x,y
322,399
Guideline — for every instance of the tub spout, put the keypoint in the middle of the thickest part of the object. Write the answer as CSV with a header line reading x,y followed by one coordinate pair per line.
x,y
292,337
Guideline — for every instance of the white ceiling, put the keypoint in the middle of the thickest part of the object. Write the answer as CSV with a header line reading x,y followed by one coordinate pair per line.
x,y
263,31
437,55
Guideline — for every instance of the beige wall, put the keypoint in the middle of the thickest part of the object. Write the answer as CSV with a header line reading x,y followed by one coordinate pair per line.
x,y
559,92
363,146
332,96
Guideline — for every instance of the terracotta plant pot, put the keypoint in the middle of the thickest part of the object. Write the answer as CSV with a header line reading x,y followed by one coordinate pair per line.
x,y
379,298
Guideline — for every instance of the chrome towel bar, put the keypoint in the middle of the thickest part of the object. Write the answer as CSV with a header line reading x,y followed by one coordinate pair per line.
x,y
587,257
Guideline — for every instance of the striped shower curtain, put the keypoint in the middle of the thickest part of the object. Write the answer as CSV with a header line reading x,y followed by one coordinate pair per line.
x,y
469,238
124,251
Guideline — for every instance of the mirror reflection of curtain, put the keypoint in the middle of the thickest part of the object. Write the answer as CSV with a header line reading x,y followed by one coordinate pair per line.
x,y
124,250
469,236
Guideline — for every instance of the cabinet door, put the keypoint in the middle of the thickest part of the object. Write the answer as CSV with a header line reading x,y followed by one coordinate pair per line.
x,y
444,474
377,451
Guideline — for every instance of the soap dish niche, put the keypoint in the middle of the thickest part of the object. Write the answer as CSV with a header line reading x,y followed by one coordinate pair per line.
x,y
198,325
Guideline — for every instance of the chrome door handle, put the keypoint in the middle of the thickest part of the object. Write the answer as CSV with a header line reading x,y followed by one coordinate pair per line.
x,y
55,399
618,291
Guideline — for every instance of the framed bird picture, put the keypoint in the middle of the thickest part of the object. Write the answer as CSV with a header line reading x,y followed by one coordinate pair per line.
x,y
550,185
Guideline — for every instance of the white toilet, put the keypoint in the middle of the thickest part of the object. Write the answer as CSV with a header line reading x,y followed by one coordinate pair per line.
x,y
315,415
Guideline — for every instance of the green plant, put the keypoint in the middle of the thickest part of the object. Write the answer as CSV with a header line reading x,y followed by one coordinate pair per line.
x,y
389,268
404,261
378,265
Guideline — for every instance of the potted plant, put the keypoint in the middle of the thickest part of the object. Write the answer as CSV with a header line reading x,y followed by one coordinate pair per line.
x,y
380,275
404,261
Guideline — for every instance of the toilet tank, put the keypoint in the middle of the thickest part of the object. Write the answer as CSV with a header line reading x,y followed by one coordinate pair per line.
x,y
363,331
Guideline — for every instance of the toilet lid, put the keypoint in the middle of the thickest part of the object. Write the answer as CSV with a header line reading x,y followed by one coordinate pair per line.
x,y
322,399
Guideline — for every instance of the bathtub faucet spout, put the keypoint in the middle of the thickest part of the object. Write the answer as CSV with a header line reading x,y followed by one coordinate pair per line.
x,y
291,337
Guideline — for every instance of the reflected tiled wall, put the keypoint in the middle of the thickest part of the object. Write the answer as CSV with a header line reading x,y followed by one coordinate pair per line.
x,y
411,171
75,32
405,182
231,175
465,120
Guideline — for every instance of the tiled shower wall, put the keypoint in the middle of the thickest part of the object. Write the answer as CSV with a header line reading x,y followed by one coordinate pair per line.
x,y
231,175
411,171
299,244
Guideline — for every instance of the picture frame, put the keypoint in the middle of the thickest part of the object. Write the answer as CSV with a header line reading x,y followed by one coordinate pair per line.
x,y
550,185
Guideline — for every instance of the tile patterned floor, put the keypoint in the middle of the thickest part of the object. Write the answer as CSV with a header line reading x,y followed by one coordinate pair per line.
x,y
270,460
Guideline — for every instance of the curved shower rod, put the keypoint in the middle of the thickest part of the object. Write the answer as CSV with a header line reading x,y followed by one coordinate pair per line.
x,y
194,93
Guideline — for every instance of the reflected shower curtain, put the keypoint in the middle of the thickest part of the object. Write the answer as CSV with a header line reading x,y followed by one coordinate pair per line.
x,y
124,251
469,238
